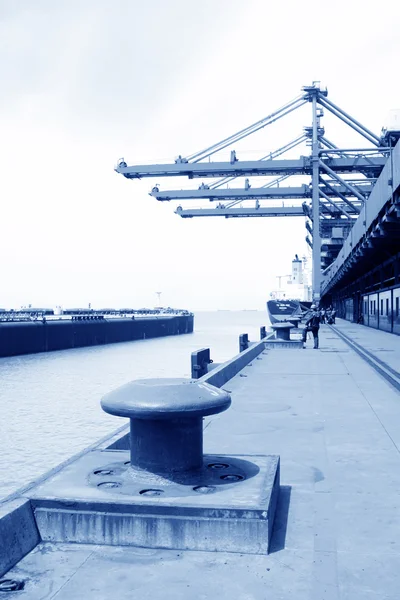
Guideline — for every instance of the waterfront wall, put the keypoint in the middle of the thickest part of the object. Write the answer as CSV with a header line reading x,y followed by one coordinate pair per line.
x,y
380,309
35,336
224,372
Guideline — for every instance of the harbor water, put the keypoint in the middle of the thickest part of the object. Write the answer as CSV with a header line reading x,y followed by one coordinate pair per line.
x,y
50,401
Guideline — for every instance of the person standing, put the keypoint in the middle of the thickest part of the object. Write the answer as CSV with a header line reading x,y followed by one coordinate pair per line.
x,y
312,324
322,314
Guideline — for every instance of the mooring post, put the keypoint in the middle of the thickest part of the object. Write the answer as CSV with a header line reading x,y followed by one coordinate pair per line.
x,y
166,419
295,321
263,332
243,342
199,360
282,331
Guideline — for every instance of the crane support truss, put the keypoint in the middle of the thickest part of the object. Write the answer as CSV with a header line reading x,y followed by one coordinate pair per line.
x,y
228,213
304,191
270,156
316,235
270,211
341,179
300,166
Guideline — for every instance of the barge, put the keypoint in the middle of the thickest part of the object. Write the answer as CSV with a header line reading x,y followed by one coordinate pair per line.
x,y
41,330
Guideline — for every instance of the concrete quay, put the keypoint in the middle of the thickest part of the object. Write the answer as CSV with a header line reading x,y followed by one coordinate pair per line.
x,y
335,422
381,350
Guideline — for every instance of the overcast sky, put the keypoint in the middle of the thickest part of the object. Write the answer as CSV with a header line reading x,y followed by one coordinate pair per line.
x,y
86,82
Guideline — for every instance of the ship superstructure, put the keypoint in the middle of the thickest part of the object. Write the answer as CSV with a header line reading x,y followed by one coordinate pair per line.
x,y
295,286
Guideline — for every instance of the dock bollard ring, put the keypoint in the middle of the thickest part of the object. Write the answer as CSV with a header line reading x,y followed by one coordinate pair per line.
x,y
166,420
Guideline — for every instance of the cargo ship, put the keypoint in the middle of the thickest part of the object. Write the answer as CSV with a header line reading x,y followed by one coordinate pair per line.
x,y
31,330
294,297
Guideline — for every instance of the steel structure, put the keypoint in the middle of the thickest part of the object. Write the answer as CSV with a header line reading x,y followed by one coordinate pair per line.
x,y
341,180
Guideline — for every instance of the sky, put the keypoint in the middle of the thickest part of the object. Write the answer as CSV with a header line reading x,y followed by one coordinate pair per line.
x,y
87,82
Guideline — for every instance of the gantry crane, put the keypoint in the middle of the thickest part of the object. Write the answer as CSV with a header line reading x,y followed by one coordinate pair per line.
x,y
339,185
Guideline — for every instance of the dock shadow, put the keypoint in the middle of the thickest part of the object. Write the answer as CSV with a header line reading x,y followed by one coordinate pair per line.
x,y
278,538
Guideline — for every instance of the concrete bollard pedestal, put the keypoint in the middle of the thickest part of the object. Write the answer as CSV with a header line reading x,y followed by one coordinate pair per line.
x,y
168,495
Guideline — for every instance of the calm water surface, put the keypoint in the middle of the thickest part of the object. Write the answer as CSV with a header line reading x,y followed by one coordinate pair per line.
x,y
50,402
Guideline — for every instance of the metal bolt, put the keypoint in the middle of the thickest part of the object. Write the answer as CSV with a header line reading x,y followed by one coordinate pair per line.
x,y
204,489
232,477
11,585
103,472
151,492
166,418
218,466
109,484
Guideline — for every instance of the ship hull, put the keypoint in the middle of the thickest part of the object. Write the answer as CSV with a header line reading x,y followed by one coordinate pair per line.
x,y
283,310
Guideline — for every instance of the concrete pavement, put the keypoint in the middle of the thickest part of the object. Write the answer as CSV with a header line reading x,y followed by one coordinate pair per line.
x,y
335,422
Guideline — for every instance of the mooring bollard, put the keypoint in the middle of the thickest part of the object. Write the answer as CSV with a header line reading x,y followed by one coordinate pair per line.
x,y
282,331
166,420
200,359
263,332
295,321
243,342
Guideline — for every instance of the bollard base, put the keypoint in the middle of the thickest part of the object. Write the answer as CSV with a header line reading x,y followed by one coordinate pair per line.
x,y
283,344
228,505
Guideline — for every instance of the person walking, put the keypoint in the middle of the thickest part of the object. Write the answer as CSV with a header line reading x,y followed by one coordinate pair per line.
x,y
312,325
322,314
